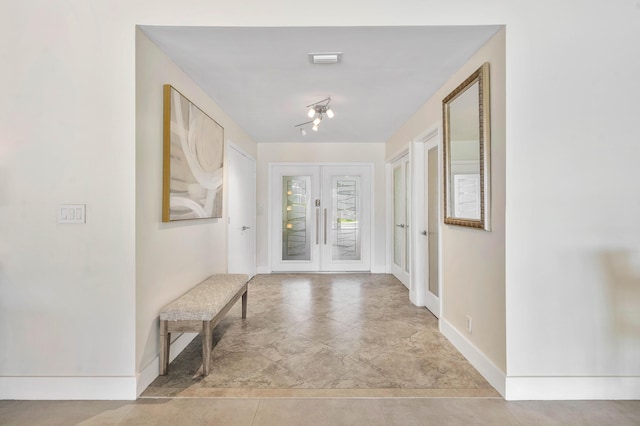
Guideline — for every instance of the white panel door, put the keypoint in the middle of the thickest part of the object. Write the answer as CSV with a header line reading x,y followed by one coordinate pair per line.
x,y
241,234
320,218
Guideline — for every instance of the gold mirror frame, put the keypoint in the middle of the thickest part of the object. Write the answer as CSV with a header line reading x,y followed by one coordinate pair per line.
x,y
478,180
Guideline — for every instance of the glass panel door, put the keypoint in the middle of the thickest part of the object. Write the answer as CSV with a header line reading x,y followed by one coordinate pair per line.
x,y
346,218
296,223
320,218
432,222
400,221
295,244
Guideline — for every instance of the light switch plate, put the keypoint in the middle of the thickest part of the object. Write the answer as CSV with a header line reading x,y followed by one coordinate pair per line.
x,y
72,213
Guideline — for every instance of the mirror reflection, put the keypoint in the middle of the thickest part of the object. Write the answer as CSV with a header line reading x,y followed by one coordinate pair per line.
x,y
466,141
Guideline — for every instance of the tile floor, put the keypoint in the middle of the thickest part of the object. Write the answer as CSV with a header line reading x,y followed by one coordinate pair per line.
x,y
325,335
323,350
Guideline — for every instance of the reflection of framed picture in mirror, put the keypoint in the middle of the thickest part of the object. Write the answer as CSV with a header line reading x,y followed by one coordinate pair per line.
x,y
466,134
193,161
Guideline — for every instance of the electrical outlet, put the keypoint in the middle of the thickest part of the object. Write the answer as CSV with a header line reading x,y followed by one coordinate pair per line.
x,y
469,325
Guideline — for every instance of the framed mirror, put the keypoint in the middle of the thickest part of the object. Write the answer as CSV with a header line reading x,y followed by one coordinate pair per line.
x,y
467,148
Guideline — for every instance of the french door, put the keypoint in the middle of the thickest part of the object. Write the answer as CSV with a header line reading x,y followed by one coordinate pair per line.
x,y
401,254
320,217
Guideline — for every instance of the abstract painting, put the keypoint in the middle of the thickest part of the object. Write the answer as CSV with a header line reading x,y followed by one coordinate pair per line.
x,y
193,161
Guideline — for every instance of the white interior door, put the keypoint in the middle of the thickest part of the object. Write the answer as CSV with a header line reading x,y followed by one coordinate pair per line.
x,y
432,231
400,178
241,196
320,218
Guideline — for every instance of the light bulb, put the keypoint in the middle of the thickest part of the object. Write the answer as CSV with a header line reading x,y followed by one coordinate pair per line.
x,y
330,113
289,226
315,128
316,121
311,112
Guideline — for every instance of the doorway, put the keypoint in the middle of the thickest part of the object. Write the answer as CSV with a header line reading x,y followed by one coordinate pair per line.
x,y
320,217
400,214
431,233
241,234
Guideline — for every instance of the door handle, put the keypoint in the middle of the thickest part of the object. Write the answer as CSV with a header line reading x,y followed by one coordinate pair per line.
x,y
317,224
425,233
325,226
244,228
400,225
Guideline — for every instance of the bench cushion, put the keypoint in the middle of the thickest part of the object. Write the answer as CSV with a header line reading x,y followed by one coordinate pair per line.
x,y
205,300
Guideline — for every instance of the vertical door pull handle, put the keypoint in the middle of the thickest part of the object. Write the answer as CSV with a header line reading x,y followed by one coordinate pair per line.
x,y
317,225
325,226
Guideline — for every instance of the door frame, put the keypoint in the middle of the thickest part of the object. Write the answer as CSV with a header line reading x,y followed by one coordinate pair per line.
x,y
272,165
418,292
390,216
229,146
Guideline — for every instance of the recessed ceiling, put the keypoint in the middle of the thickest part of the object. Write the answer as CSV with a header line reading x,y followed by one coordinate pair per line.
x,y
263,79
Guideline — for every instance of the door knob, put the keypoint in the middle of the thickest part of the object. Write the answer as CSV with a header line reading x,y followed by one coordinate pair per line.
x,y
400,225
425,233
244,228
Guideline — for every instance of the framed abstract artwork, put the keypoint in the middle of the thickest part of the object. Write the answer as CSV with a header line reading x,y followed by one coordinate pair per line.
x,y
193,161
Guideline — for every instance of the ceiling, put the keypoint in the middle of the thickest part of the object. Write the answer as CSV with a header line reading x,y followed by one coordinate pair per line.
x,y
263,79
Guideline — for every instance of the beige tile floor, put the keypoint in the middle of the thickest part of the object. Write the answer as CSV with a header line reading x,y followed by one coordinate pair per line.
x,y
325,335
301,330
319,411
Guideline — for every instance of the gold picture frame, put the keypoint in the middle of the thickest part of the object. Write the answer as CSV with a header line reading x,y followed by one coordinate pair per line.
x,y
193,160
467,152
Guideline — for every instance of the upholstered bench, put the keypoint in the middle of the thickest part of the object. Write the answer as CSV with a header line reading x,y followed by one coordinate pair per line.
x,y
199,310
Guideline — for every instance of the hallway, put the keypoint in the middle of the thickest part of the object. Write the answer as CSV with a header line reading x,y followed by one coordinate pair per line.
x,y
333,335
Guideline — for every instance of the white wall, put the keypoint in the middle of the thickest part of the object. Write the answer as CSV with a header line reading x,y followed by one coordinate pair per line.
x,y
170,257
473,277
67,119
321,153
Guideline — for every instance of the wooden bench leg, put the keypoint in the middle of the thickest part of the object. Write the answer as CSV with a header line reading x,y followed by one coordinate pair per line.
x,y
165,342
206,346
244,304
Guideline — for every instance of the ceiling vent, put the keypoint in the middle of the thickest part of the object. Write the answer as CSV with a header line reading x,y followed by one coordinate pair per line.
x,y
325,58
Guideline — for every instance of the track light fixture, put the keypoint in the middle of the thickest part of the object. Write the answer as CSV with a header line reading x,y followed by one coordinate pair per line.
x,y
317,111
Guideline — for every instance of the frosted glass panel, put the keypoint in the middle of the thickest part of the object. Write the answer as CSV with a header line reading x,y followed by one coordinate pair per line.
x,y
398,215
407,207
296,223
345,221
433,220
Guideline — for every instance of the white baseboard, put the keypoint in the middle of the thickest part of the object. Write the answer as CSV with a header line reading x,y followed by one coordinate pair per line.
x,y
263,270
572,388
378,269
68,388
152,370
475,356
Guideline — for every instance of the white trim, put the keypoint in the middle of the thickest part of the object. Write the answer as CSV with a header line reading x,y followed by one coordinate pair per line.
x,y
378,269
572,388
263,270
494,375
68,388
152,371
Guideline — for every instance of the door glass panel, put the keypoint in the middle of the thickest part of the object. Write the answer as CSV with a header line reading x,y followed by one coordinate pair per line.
x,y
296,226
407,209
432,218
398,216
345,221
